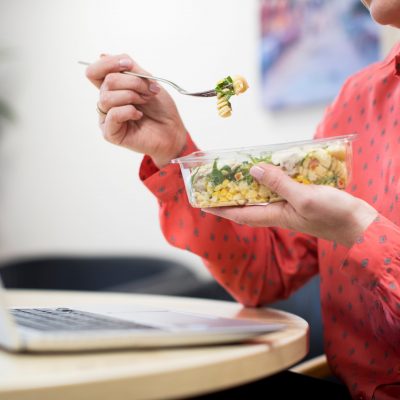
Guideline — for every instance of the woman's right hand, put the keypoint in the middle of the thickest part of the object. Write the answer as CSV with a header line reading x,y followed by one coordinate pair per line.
x,y
140,115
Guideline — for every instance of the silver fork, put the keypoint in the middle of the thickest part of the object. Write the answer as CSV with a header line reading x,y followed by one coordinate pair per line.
x,y
207,93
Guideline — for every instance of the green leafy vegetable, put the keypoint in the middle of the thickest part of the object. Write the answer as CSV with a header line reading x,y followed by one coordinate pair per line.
x,y
226,171
216,176
194,175
265,159
225,88
328,179
249,179
235,170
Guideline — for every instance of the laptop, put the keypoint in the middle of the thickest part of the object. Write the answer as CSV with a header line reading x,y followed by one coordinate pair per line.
x,y
112,327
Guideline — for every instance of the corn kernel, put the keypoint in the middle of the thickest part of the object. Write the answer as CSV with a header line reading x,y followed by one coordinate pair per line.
x,y
302,179
251,194
242,185
264,191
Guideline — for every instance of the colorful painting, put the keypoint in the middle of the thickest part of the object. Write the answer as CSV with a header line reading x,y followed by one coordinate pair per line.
x,y
310,47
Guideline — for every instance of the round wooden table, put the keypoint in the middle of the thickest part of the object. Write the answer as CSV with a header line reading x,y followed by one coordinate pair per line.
x,y
148,374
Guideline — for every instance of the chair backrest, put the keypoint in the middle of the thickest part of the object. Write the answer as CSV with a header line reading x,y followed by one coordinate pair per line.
x,y
125,274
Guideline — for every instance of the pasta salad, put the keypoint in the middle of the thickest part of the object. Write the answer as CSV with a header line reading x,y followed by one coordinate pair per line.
x,y
229,183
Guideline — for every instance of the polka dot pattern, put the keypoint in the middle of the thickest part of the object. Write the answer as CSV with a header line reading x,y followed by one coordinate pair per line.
x,y
360,287
360,295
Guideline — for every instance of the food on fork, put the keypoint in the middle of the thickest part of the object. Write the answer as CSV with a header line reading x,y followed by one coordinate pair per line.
x,y
226,88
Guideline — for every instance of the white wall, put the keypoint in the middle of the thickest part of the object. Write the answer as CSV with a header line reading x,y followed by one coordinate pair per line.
x,y
62,188
389,37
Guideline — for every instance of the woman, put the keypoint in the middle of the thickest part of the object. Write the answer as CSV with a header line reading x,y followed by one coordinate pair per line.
x,y
260,254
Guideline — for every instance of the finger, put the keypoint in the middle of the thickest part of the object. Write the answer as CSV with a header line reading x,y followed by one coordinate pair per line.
x,y
117,81
278,181
97,71
117,98
102,114
269,215
117,116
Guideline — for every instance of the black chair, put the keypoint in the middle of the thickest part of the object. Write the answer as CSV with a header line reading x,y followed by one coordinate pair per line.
x,y
118,274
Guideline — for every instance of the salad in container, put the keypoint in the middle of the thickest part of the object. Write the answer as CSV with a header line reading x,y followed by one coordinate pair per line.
x,y
222,177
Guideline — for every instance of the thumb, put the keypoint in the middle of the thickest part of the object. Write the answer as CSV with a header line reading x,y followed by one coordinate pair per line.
x,y
276,180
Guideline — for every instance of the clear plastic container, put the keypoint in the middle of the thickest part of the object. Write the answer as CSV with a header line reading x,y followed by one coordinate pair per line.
x,y
221,177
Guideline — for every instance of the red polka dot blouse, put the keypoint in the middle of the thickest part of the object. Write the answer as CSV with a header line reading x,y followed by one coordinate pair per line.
x,y
360,292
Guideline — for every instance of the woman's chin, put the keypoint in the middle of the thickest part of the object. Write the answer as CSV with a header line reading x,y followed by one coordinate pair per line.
x,y
385,15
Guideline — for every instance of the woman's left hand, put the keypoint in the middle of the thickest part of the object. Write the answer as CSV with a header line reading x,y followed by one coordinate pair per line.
x,y
320,211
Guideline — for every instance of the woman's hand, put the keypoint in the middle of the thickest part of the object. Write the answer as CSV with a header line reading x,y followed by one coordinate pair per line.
x,y
137,113
321,211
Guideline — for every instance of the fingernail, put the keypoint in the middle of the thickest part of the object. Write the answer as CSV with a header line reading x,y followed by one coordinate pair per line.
x,y
257,172
125,63
154,88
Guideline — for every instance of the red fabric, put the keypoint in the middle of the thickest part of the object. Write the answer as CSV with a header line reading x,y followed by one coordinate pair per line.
x,y
360,293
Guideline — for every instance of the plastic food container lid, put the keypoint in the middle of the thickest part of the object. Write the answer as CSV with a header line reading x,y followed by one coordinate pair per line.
x,y
233,153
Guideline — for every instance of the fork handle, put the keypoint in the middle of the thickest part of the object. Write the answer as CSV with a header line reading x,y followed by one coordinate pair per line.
x,y
179,89
154,78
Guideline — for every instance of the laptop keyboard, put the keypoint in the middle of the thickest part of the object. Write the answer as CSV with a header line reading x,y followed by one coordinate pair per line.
x,y
66,319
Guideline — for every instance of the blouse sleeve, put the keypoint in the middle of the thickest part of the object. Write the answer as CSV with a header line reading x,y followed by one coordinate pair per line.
x,y
256,265
374,263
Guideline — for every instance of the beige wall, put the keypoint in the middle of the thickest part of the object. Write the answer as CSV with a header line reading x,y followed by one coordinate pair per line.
x,y
63,189
389,37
